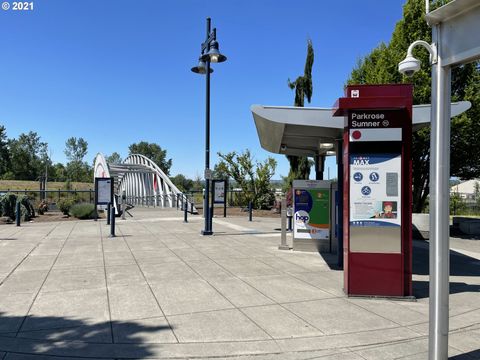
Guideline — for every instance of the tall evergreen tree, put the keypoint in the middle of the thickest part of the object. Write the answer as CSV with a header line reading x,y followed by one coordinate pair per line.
x,y
4,152
77,169
380,67
303,86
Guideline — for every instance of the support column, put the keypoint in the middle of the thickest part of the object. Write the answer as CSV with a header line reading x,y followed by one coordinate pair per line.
x,y
340,210
439,205
319,166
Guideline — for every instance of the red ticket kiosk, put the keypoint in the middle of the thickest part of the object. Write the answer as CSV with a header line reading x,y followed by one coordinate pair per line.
x,y
377,198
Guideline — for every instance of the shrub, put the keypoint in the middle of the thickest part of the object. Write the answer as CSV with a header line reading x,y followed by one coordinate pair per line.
x,y
29,209
65,205
7,205
8,176
42,207
24,213
265,201
83,211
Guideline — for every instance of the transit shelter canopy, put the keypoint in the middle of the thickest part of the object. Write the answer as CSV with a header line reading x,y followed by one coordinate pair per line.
x,y
299,131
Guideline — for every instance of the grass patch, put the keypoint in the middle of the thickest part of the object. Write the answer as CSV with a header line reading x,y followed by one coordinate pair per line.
x,y
34,185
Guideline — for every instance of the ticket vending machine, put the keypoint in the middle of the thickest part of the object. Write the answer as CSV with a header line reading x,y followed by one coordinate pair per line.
x,y
377,197
312,215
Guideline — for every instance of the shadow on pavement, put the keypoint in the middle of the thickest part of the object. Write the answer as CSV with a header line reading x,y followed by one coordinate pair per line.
x,y
420,288
61,336
331,260
475,354
460,265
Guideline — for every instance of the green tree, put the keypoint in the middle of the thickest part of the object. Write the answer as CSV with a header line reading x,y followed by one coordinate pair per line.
x,y
26,156
219,172
154,152
48,169
76,149
303,86
476,193
380,67
115,158
457,204
4,152
182,183
252,178
198,183
77,169
58,172
465,131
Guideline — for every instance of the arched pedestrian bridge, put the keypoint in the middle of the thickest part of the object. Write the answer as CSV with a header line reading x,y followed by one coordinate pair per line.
x,y
142,182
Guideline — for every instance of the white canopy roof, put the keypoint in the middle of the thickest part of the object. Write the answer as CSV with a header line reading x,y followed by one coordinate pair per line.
x,y
294,130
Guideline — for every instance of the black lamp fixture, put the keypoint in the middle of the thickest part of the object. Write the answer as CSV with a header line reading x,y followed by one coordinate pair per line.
x,y
213,55
201,68
209,54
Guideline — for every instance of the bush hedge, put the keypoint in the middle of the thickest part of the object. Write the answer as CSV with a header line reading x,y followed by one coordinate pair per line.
x,y
8,207
64,205
83,211
29,209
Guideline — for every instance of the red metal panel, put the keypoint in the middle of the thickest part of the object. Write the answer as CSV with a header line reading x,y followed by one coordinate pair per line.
x,y
407,205
343,105
376,274
382,90
346,212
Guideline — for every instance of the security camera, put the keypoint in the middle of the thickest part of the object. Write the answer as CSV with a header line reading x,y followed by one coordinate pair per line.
x,y
409,66
283,147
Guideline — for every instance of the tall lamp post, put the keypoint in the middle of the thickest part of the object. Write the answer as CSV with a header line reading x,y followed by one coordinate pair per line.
x,y
450,47
209,54
439,195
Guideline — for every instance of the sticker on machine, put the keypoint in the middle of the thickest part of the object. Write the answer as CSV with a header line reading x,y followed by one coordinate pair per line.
x,y
311,214
375,190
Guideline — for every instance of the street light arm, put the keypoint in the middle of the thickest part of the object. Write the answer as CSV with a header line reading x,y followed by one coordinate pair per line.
x,y
432,49
212,36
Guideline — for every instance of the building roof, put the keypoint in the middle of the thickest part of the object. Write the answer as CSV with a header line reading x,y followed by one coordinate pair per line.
x,y
466,187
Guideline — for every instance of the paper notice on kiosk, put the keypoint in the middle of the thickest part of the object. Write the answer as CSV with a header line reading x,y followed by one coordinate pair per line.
x,y
375,191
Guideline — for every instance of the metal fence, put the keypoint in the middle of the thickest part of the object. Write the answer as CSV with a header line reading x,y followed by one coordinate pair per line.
x,y
235,198
464,208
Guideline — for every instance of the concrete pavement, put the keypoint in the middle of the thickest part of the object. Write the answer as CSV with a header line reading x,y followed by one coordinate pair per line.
x,y
160,290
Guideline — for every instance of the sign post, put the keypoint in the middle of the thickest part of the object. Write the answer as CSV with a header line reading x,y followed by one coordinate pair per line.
x,y
220,194
283,215
103,193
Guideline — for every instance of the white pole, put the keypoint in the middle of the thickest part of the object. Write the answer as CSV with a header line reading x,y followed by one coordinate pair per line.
x,y
439,205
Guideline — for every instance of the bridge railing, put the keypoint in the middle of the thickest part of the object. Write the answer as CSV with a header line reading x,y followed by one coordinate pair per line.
x,y
171,200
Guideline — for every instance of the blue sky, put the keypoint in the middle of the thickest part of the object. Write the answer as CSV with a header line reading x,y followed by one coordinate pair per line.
x,y
117,72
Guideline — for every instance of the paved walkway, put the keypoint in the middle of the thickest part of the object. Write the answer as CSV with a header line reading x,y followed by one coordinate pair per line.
x,y
160,290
